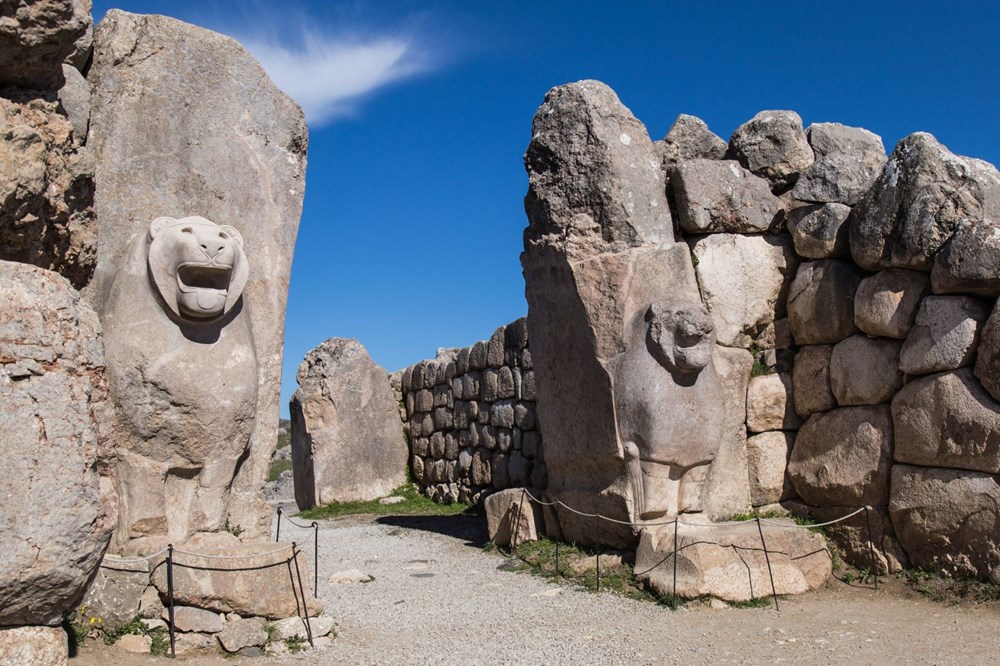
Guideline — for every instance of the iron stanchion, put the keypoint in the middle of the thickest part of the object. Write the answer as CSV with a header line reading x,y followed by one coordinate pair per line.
x,y
675,560
558,572
774,592
598,554
315,526
871,544
277,533
170,594
302,591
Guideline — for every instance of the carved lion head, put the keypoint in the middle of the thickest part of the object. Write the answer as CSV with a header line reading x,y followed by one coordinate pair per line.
x,y
198,266
682,336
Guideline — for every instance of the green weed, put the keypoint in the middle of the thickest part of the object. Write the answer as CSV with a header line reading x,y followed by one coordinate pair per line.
x,y
414,504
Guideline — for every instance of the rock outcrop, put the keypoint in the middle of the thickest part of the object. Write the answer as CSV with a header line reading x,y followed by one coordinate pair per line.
x,y
347,439
228,146
53,433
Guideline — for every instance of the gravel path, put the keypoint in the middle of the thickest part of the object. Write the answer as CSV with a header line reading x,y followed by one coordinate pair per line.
x,y
437,598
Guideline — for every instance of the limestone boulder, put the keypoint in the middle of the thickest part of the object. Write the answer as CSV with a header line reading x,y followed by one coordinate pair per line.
x,y
865,371
862,537
35,38
721,196
988,359
767,455
821,301
917,203
886,303
970,262
948,520
46,189
772,145
708,564
74,97
947,420
512,518
689,138
216,138
115,595
593,173
820,232
243,633
34,646
944,336
727,487
188,618
744,282
842,457
218,572
57,512
848,160
771,403
811,390
347,439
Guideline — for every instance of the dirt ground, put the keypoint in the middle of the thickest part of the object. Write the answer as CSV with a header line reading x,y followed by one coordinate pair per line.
x,y
437,598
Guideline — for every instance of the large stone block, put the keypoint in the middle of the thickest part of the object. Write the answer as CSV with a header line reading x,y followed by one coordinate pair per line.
x,y
842,457
57,513
770,403
863,536
767,454
848,160
811,380
773,145
34,646
988,360
886,303
727,561
744,282
722,196
186,122
217,572
347,439
947,420
115,595
687,139
512,518
36,37
969,263
948,520
593,173
865,371
917,203
820,232
821,301
944,336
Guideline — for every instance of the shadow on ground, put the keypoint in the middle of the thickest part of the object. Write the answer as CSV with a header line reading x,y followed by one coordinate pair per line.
x,y
469,528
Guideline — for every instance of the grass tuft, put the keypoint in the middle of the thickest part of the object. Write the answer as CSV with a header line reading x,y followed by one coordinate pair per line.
x,y
414,504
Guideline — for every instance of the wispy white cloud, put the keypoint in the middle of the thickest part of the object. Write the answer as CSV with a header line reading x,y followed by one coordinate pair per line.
x,y
329,74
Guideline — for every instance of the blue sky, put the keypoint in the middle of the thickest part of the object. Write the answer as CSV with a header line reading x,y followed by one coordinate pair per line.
x,y
420,113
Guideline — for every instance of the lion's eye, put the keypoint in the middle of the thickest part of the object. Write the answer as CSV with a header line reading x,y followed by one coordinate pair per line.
x,y
222,234
188,230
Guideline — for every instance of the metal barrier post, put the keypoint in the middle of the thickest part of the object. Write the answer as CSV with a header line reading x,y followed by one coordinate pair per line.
x,y
277,534
675,559
774,592
598,554
170,593
871,545
315,526
558,572
302,590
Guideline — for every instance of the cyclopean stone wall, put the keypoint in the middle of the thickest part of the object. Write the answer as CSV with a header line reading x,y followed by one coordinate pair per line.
x,y
853,301
470,418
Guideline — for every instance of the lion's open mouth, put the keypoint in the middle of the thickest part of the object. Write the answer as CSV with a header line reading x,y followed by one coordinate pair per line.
x,y
198,276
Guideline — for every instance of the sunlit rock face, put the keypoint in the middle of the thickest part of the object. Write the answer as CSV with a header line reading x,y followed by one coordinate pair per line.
x,y
186,124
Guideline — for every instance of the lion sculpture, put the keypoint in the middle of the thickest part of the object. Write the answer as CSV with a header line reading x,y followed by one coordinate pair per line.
x,y
667,396
183,374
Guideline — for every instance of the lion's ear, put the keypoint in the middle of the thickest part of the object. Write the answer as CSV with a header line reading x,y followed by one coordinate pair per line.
x,y
232,232
157,225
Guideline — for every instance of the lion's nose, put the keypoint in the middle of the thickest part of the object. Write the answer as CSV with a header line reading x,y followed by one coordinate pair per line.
x,y
212,248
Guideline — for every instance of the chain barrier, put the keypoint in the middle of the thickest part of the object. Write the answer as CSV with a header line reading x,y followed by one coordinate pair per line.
x,y
677,522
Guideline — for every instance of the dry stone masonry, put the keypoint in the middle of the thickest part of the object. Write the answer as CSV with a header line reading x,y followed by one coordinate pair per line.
x,y
471,420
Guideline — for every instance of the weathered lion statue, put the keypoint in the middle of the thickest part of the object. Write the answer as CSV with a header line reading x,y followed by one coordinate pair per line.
x,y
667,397
183,376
